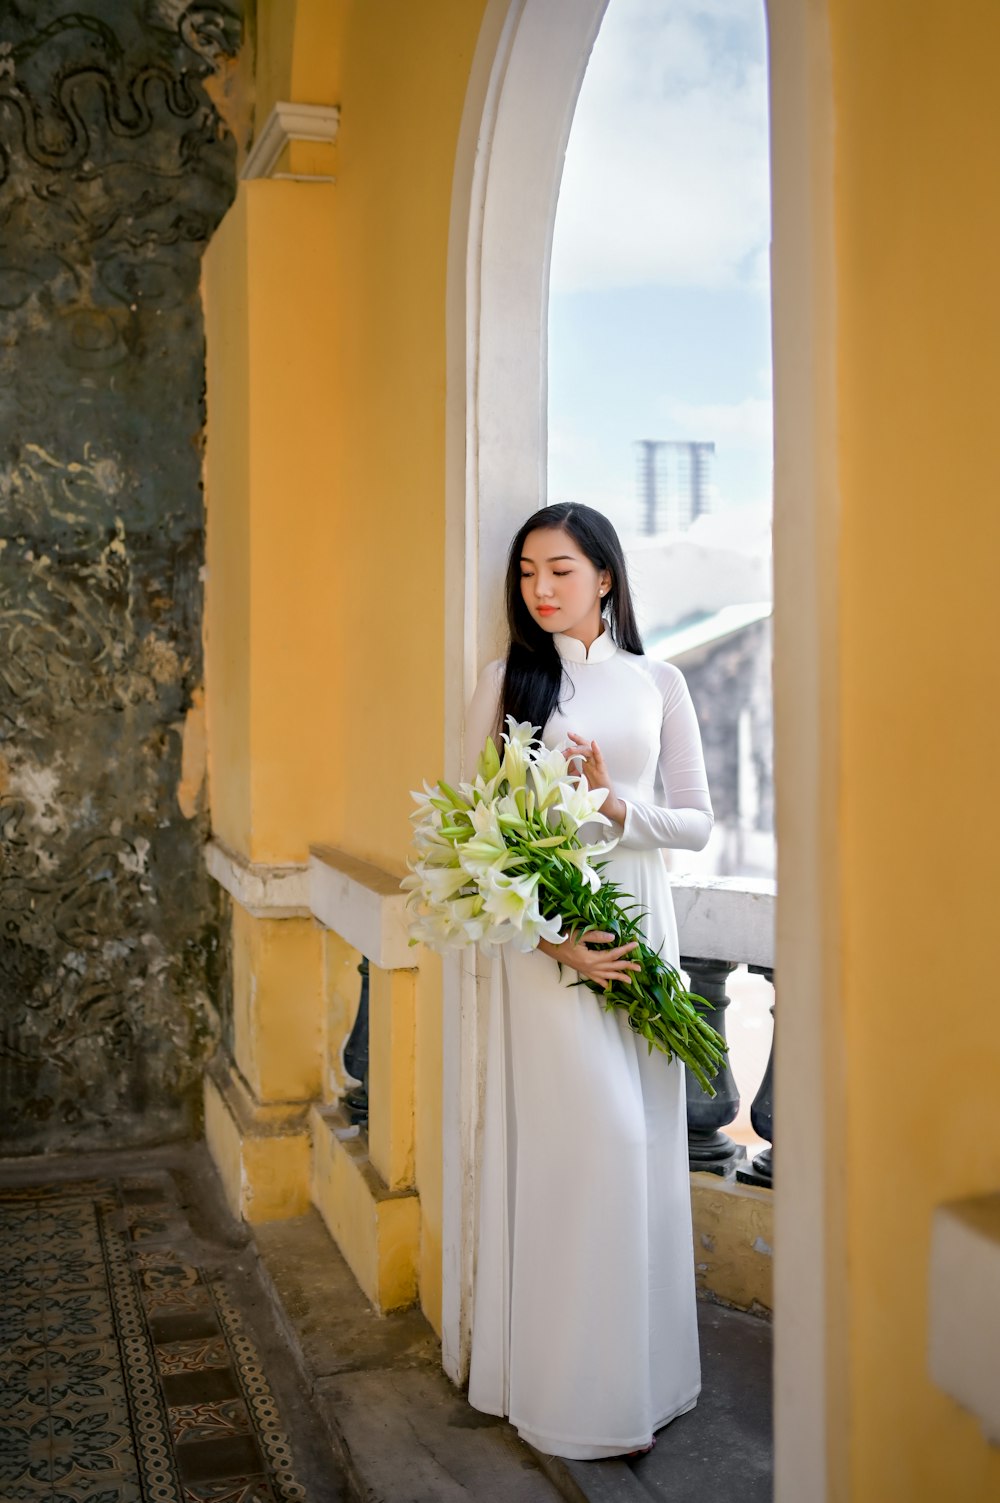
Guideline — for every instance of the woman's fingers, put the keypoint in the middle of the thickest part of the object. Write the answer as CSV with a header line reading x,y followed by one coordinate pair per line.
x,y
621,950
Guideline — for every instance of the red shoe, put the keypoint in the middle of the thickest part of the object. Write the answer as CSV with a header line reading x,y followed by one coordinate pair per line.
x,y
643,1450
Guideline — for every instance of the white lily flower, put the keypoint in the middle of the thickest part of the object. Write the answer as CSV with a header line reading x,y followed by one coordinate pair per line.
x,y
510,897
509,816
514,767
487,848
581,805
537,928
551,778
436,884
520,731
489,761
452,926
498,934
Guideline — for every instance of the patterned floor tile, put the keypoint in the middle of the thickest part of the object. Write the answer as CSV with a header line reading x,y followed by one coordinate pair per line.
x,y
192,1356
164,1301
27,1491
77,1270
95,1446
49,1375
182,1326
125,1375
56,1317
169,1277
24,1452
233,1490
190,1422
122,1490
217,1459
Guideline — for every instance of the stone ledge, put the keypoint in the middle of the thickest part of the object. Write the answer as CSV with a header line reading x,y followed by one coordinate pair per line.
x,y
274,892
363,904
726,918
964,1343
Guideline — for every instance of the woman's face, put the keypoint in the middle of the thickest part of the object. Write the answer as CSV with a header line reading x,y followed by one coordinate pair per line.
x,y
559,584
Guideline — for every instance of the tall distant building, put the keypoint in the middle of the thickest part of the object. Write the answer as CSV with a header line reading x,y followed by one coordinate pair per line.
x,y
673,483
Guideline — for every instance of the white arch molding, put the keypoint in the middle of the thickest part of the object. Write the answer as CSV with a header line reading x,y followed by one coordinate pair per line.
x,y
526,75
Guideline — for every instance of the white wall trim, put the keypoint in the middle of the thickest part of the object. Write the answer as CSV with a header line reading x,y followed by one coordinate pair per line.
x,y
964,1325
291,122
523,86
363,904
809,1460
275,892
360,902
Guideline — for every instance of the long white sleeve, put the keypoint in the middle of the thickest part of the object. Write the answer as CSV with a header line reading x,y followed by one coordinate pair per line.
x,y
686,821
480,718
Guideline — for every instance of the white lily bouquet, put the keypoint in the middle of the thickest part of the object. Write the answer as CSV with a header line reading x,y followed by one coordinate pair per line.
x,y
500,861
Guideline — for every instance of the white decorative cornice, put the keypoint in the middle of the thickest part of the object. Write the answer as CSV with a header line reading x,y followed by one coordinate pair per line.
x,y
291,122
275,892
363,904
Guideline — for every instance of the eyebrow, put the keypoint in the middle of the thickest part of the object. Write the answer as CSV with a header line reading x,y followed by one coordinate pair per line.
x,y
555,559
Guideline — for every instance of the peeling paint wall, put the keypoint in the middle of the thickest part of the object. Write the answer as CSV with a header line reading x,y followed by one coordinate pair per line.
x,y
118,146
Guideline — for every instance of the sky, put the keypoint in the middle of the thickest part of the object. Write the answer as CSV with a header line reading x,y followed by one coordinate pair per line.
x,y
659,309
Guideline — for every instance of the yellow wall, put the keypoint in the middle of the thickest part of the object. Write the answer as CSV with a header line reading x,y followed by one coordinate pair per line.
x,y
297,52
325,323
404,75
917,143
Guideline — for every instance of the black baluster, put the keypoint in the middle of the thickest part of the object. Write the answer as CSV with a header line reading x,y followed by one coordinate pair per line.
x,y
356,1057
710,1150
762,1111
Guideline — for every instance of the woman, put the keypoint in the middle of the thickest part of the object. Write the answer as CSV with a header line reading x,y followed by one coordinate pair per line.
x,y
584,1328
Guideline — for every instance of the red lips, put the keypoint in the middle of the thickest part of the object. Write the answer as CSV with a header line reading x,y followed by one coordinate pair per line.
x,y
546,610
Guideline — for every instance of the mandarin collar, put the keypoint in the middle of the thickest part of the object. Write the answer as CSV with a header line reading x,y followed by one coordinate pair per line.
x,y
572,650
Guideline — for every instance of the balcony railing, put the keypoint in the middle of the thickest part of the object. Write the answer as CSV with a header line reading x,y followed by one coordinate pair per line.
x,y
724,922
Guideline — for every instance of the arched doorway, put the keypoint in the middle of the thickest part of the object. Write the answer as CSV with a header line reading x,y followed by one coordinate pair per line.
x,y
528,69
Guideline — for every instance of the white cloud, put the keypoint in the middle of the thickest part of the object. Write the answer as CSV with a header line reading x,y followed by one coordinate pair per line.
x,y
666,177
744,424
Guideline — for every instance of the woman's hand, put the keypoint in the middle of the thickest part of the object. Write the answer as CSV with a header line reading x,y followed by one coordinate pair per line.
x,y
600,965
587,757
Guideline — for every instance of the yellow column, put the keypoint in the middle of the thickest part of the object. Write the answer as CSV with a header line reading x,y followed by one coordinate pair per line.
x,y
918,366
390,1135
270,546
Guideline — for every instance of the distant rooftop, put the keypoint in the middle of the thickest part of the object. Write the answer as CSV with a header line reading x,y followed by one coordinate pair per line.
x,y
715,626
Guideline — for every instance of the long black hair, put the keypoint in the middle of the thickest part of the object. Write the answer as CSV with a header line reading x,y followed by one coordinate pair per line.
x,y
533,675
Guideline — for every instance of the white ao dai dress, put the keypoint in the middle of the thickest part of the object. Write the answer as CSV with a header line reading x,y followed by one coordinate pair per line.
x,y
585,1327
